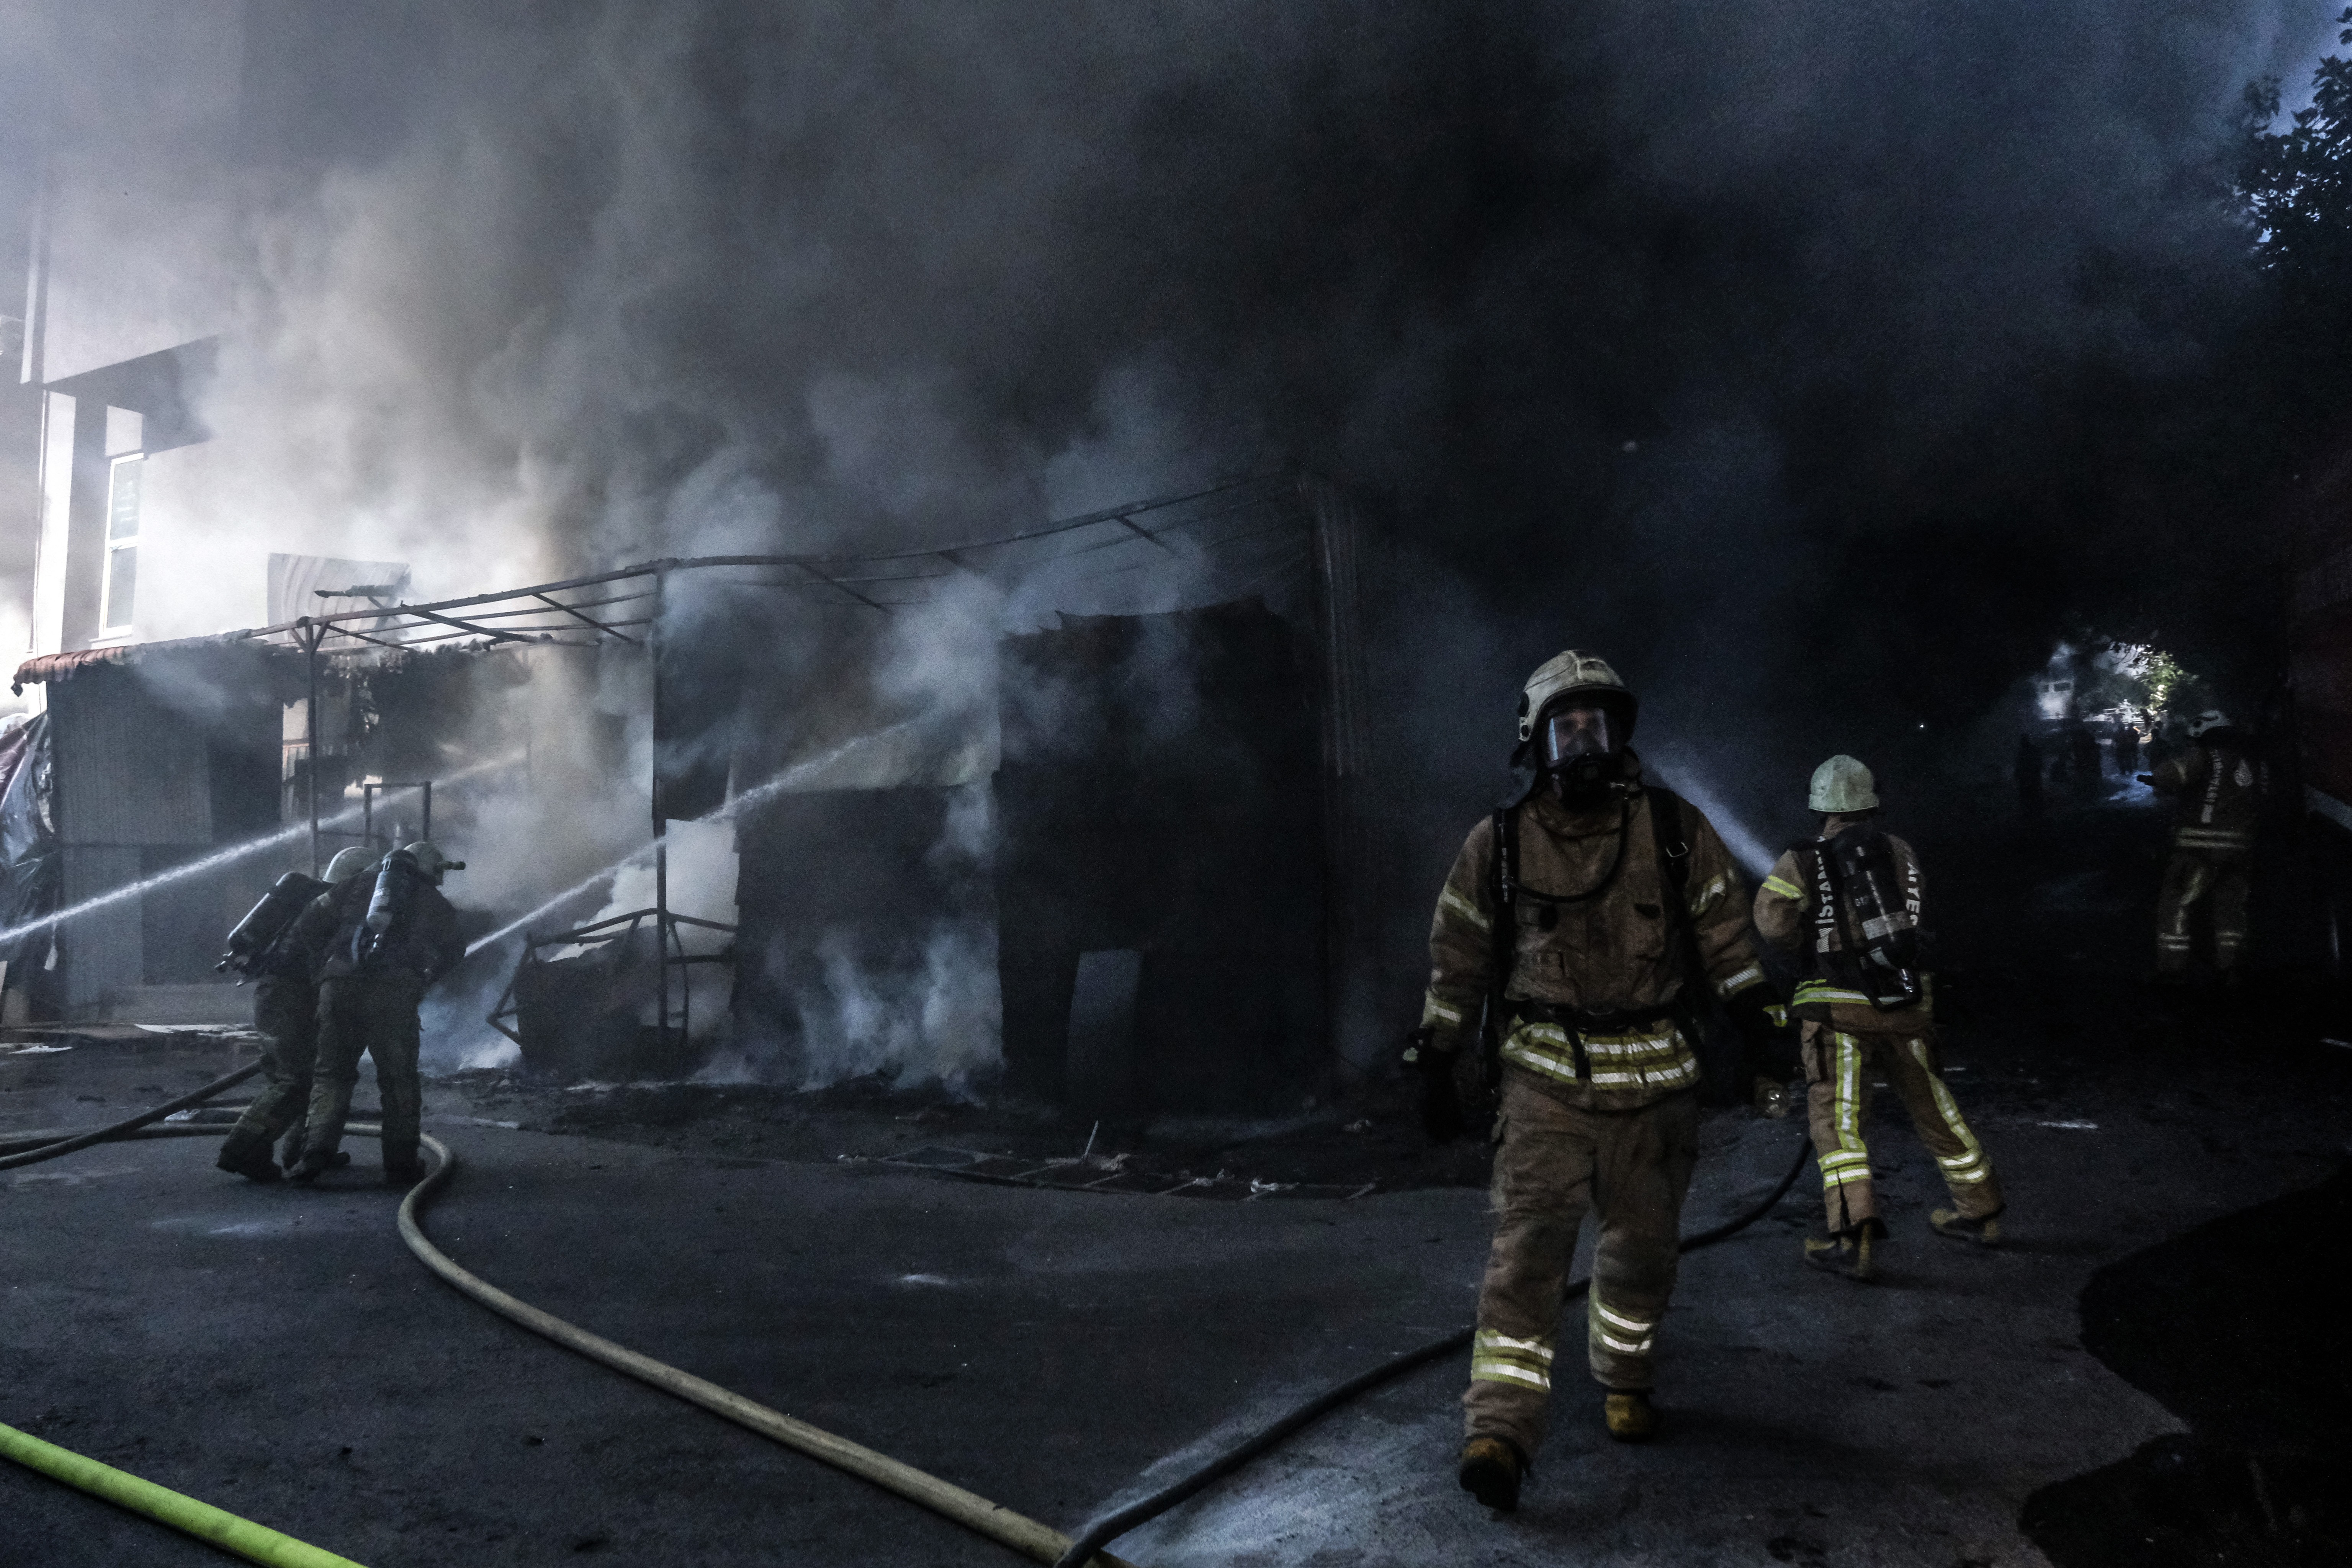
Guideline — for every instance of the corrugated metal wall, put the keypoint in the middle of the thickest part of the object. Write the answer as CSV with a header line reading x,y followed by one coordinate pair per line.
x,y
132,773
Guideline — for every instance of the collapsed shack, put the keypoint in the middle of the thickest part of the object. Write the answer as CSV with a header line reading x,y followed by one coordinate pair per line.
x,y
1089,822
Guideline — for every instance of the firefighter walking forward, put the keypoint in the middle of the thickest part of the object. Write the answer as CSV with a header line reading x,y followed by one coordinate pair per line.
x,y
1588,920
393,936
1848,905
285,1014
2216,785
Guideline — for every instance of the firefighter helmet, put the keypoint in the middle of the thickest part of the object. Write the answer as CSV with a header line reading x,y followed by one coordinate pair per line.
x,y
2211,719
1574,673
348,863
1842,784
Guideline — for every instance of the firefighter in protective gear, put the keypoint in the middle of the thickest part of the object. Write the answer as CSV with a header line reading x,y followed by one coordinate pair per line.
x,y
286,1016
1582,927
375,975
2217,790
1848,906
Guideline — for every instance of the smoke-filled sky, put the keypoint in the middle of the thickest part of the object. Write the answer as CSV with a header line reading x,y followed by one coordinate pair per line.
x,y
1674,327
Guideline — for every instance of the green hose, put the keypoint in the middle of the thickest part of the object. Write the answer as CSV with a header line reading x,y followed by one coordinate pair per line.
x,y
254,1543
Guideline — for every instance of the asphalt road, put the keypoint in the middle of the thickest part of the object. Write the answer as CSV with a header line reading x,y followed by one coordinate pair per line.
x,y
278,1352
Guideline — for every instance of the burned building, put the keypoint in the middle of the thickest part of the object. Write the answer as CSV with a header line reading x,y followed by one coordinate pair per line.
x,y
946,820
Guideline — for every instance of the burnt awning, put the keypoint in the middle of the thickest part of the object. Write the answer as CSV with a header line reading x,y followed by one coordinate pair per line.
x,y
61,666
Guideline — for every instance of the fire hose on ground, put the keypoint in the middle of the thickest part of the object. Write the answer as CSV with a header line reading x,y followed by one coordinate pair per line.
x,y
133,1123
1038,1542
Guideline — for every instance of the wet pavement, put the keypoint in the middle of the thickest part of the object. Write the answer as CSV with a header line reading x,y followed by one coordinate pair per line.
x,y
279,1353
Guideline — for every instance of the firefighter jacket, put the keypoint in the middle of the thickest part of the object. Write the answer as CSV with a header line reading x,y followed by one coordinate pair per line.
x,y
305,940
1784,913
2218,796
1589,993
429,949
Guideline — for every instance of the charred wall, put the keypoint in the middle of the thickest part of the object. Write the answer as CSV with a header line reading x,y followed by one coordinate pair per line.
x,y
1160,793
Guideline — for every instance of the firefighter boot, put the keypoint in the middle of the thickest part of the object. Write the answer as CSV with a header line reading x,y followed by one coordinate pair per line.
x,y
1985,1231
249,1159
311,1167
1629,1416
1847,1253
1491,1471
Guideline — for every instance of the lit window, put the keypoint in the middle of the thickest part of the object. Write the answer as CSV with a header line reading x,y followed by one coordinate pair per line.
x,y
122,545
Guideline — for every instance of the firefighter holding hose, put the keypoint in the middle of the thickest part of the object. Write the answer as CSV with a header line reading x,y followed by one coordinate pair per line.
x,y
389,938
1848,906
1583,927
283,965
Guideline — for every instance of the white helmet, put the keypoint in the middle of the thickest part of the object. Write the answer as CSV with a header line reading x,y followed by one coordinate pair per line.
x,y
1842,784
350,862
2211,719
1573,672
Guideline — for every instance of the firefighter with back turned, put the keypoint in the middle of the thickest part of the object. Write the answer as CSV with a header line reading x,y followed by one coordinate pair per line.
x,y
1583,927
283,968
391,937
2216,784
1848,906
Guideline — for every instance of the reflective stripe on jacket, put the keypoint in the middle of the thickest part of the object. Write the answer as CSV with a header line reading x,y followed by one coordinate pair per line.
x,y
2218,798
1784,917
1612,954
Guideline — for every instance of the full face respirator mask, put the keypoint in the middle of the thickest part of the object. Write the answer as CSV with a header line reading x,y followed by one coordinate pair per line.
x,y
1581,746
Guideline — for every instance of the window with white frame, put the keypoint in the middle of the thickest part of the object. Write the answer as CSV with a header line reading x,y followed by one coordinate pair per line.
x,y
122,590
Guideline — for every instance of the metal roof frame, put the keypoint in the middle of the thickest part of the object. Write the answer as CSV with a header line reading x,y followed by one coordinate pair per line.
x,y
560,614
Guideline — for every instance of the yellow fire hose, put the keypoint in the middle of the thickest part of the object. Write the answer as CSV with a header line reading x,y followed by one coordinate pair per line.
x,y
254,1543
257,1544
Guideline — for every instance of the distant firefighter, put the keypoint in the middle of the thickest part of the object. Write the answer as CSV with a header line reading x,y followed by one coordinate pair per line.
x,y
391,936
1580,923
2217,789
2127,750
2027,774
265,947
1848,905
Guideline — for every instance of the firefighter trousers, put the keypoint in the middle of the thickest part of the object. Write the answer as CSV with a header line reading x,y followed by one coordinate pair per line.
x,y
2220,882
1839,1066
286,1016
372,1016
1556,1161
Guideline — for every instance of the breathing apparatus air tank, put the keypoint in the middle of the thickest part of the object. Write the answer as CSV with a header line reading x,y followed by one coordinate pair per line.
x,y
266,921
387,921
1888,928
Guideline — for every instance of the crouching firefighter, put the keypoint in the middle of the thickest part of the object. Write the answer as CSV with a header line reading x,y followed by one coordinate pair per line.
x,y
1849,904
394,935
266,948
1582,927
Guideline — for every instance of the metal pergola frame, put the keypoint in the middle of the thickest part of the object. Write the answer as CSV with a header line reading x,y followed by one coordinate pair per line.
x,y
577,612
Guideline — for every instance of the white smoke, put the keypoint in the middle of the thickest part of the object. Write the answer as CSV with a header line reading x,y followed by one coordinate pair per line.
x,y
939,1025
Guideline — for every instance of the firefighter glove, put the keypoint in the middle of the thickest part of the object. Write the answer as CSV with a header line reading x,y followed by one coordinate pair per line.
x,y
1440,1102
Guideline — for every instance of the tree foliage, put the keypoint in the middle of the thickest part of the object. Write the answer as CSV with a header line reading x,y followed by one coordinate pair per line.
x,y
2297,182
2295,185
